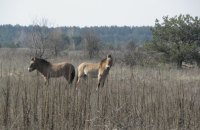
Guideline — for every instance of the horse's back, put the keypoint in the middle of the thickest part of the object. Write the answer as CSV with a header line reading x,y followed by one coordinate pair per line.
x,y
62,68
91,68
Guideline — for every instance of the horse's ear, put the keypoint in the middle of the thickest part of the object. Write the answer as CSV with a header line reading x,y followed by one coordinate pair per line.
x,y
109,56
33,59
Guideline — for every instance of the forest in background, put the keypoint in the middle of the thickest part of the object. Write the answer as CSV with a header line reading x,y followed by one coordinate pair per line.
x,y
14,36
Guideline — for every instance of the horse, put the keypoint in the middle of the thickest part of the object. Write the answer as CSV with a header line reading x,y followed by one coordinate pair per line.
x,y
49,70
100,70
104,68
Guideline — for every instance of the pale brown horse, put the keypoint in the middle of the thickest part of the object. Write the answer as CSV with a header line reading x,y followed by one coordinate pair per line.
x,y
104,68
100,70
49,70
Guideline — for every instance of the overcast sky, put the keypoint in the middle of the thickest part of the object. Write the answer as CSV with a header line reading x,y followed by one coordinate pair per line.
x,y
94,12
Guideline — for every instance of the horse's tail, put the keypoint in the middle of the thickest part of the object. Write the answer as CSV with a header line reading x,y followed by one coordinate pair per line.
x,y
77,76
72,75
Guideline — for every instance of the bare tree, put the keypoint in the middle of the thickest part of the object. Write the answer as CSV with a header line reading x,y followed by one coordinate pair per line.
x,y
39,38
71,40
56,41
130,55
92,43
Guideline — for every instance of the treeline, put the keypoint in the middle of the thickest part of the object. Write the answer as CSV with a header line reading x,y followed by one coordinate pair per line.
x,y
16,36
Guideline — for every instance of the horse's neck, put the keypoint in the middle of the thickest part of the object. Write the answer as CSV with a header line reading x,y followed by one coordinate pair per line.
x,y
101,65
44,69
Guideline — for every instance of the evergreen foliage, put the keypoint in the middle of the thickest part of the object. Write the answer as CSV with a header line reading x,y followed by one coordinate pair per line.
x,y
178,38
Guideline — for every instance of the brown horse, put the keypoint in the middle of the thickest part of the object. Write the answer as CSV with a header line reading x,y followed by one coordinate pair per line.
x,y
49,70
100,70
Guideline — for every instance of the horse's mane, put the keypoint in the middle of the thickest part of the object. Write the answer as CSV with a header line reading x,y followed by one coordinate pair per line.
x,y
102,61
45,62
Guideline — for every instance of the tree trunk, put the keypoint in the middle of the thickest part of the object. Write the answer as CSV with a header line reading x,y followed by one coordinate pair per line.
x,y
55,51
198,63
179,63
197,59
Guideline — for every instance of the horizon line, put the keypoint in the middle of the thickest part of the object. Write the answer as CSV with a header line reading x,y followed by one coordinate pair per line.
x,y
71,26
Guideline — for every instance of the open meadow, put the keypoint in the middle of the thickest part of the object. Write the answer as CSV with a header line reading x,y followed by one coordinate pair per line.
x,y
137,98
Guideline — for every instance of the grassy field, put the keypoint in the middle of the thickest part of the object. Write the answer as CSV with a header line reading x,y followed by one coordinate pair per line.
x,y
138,98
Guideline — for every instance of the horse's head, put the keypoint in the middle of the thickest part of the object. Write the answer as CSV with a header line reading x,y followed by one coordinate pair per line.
x,y
38,63
33,64
108,61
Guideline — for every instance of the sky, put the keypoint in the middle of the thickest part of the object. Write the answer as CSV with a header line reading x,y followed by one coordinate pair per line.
x,y
94,12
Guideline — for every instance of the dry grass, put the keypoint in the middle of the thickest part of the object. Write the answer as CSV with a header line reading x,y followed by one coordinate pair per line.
x,y
132,99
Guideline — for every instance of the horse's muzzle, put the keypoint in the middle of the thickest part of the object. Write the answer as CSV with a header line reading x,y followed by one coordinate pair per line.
x,y
30,69
107,66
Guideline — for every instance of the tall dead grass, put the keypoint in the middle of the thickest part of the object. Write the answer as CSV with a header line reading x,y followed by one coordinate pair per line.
x,y
132,99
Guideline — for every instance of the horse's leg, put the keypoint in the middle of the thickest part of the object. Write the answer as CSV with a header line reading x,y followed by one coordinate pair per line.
x,y
103,81
46,81
85,77
79,77
66,78
99,81
78,80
